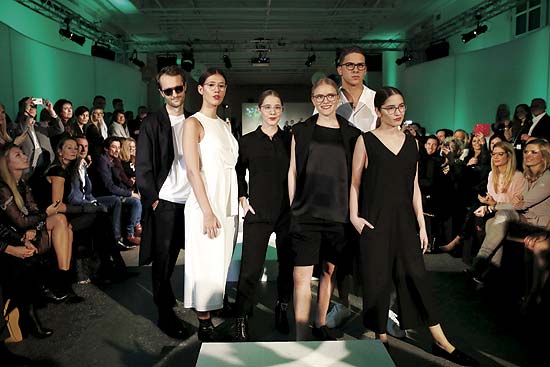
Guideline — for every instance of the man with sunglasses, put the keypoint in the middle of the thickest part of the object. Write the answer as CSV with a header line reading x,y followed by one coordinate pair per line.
x,y
162,181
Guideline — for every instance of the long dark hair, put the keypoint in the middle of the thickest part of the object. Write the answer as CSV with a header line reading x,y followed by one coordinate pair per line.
x,y
382,95
72,167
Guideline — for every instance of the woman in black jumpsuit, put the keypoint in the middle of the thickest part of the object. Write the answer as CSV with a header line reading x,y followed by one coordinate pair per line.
x,y
385,208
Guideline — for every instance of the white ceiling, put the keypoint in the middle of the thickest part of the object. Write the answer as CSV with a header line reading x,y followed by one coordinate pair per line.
x,y
290,29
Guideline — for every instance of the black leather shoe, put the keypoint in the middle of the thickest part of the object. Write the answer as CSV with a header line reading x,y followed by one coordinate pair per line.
x,y
456,356
53,296
241,329
73,298
281,318
207,333
30,324
322,333
173,327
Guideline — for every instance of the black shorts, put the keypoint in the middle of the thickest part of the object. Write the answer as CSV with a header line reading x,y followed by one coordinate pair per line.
x,y
313,243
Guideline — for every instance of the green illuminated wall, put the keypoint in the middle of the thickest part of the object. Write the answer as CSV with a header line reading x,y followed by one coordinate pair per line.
x,y
461,90
35,60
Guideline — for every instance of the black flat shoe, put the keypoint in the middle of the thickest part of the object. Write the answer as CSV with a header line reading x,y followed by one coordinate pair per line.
x,y
174,329
53,296
456,356
322,333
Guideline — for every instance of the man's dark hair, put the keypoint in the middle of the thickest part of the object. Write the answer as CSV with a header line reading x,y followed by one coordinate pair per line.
x,y
350,50
538,104
107,142
172,70
99,97
448,132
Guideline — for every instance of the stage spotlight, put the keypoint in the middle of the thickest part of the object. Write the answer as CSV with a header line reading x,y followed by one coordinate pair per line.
x,y
405,58
310,60
76,38
227,61
103,52
187,60
467,37
480,29
140,64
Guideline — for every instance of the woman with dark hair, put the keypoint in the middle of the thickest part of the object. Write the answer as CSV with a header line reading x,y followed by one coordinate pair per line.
x,y
79,124
385,208
265,153
502,122
49,227
318,188
523,119
87,218
64,109
210,153
118,126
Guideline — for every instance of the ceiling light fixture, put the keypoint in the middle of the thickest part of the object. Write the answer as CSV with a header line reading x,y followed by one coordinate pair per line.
x,y
188,59
134,59
262,60
103,51
405,58
67,33
467,37
310,60
227,60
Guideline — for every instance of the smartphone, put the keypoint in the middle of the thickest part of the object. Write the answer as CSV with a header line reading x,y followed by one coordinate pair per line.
x,y
485,129
38,101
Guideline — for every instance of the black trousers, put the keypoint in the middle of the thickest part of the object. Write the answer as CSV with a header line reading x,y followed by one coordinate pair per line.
x,y
255,242
169,239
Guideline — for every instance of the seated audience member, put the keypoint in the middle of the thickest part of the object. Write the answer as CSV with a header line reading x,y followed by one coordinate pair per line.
x,y
464,139
107,180
503,184
128,160
502,124
79,124
21,212
99,102
85,217
118,127
134,126
20,278
96,132
443,134
5,138
64,109
541,121
521,124
81,191
36,146
531,207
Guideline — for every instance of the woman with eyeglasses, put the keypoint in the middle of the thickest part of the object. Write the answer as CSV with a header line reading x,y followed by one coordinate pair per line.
x,y
265,153
386,208
532,207
210,153
318,188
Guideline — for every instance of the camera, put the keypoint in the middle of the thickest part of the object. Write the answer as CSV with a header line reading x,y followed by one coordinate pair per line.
x,y
38,101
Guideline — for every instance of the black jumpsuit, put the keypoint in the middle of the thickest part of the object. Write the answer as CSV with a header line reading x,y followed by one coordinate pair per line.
x,y
392,249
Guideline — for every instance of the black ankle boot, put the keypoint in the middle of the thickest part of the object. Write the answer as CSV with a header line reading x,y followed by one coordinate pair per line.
x,y
66,284
207,333
281,318
30,324
241,329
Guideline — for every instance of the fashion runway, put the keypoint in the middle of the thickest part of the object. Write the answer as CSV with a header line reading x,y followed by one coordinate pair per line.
x,y
116,325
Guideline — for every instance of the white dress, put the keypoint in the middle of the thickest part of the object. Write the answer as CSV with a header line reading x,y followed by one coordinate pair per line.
x,y
207,260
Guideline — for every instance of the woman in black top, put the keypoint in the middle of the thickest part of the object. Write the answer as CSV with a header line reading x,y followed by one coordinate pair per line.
x,y
265,153
18,209
318,186
385,208
88,218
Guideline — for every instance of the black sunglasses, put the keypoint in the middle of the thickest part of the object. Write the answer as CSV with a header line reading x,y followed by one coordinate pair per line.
x,y
169,91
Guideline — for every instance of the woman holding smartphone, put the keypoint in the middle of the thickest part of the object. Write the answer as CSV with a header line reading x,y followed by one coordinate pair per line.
x,y
210,153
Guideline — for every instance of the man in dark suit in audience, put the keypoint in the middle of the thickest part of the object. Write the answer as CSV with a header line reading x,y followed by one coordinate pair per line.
x,y
541,121
161,177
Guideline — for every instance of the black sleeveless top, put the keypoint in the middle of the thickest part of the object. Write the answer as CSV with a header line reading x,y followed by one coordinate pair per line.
x,y
325,191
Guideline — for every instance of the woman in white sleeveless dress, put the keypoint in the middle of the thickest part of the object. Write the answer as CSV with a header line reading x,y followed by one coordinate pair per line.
x,y
210,152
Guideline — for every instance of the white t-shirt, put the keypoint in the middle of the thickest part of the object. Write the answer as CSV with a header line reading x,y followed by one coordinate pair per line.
x,y
176,188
